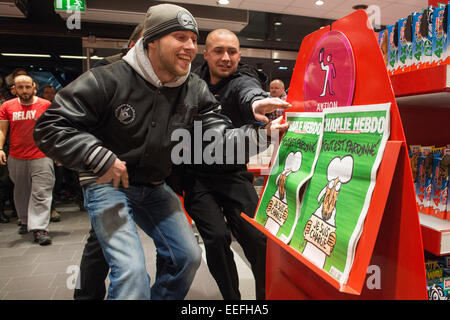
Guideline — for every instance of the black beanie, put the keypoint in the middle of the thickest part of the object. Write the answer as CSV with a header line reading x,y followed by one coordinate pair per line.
x,y
163,19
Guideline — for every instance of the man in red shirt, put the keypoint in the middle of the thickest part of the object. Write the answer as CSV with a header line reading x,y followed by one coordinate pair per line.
x,y
31,171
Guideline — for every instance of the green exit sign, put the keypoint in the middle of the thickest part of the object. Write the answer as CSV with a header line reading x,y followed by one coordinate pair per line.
x,y
70,5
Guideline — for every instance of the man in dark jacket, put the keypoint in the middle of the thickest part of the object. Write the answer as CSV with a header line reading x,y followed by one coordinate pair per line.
x,y
217,191
114,125
93,266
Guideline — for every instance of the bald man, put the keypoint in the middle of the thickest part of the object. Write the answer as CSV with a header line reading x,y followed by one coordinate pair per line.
x,y
31,171
277,91
216,195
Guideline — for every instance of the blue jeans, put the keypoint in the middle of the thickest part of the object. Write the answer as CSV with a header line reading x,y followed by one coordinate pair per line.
x,y
158,211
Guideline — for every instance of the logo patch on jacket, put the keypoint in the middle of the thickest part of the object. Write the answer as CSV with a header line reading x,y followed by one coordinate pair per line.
x,y
125,113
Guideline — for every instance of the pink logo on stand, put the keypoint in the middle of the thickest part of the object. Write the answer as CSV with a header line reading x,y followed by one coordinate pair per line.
x,y
330,73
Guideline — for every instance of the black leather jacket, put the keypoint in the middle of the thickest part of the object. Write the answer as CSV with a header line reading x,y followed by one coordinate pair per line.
x,y
237,92
112,112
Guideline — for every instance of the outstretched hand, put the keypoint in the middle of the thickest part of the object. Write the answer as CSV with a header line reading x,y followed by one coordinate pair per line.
x,y
277,125
267,105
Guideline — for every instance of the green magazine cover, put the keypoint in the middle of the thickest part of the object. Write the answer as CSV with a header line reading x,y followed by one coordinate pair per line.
x,y
279,208
338,195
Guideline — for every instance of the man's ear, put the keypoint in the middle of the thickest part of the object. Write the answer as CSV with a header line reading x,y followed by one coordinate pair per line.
x,y
151,44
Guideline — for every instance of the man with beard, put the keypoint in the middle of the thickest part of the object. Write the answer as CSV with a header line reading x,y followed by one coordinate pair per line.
x,y
30,170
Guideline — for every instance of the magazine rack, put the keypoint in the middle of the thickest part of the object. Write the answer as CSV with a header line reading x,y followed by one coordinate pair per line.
x,y
389,258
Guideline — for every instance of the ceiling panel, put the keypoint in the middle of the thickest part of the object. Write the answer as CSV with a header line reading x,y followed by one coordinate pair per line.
x,y
391,10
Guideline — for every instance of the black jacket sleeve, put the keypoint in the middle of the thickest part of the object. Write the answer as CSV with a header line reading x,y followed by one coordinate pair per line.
x,y
64,131
247,90
220,132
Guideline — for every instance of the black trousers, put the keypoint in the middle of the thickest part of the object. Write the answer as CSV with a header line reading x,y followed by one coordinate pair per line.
x,y
209,207
93,271
6,189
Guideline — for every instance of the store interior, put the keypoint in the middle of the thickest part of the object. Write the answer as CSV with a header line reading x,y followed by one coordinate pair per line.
x,y
35,36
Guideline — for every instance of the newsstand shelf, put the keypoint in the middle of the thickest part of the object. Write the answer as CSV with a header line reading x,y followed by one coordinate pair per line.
x,y
421,82
423,98
435,234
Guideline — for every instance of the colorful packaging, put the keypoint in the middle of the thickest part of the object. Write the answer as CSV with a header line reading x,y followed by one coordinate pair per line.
x,y
447,26
417,42
438,284
392,50
441,163
426,28
439,289
424,179
439,38
383,42
404,45
414,153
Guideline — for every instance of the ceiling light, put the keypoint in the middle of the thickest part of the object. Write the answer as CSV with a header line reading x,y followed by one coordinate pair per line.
x,y
278,23
319,2
254,39
276,61
80,57
72,57
223,2
283,68
28,55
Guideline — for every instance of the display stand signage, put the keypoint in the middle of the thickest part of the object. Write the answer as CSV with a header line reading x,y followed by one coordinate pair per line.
x,y
297,154
334,155
339,193
330,72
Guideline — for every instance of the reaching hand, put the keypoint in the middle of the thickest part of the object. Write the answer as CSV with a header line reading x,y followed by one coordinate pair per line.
x,y
117,173
267,105
277,126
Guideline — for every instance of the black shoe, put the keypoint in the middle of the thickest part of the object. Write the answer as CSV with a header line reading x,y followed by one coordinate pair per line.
x,y
23,229
3,218
42,237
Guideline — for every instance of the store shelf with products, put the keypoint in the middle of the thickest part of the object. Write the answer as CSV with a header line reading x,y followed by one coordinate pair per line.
x,y
423,98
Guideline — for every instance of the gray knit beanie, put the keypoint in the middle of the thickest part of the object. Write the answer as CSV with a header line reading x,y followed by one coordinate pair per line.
x,y
163,19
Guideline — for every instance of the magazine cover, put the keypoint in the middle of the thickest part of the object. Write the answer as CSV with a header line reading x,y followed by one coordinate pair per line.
x,y
339,193
279,207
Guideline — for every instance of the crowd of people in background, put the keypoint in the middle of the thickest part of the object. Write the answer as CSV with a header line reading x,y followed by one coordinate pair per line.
x,y
66,188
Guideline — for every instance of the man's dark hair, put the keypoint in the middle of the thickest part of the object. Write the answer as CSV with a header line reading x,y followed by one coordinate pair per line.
x,y
136,34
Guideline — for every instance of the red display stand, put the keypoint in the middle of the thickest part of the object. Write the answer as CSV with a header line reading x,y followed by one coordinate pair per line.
x,y
389,259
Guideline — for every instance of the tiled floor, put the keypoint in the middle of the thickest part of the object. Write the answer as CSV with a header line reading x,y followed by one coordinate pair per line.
x,y
29,271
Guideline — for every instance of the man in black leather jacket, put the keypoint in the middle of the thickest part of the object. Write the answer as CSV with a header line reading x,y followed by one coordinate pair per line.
x,y
93,267
114,125
214,192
